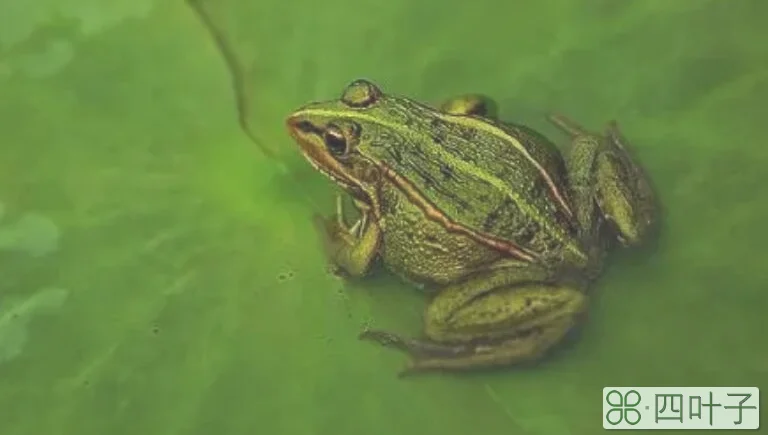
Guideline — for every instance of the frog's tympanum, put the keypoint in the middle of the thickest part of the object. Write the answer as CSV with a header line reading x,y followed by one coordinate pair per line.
x,y
505,230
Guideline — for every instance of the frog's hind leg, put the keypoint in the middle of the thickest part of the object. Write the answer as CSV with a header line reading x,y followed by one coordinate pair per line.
x,y
630,204
471,104
496,320
602,171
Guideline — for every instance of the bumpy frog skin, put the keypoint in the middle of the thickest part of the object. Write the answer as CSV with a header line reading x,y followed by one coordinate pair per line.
x,y
489,215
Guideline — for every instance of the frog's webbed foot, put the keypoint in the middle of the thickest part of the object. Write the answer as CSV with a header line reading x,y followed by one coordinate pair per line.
x,y
351,248
471,104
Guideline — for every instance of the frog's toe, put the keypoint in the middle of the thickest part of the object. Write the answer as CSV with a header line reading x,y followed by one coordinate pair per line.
x,y
411,368
614,133
566,124
384,338
333,229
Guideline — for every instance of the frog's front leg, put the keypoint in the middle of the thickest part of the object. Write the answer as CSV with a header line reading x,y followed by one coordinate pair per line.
x,y
602,171
502,318
351,249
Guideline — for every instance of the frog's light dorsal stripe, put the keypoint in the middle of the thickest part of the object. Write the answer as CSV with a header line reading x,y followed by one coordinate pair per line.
x,y
429,210
488,128
495,131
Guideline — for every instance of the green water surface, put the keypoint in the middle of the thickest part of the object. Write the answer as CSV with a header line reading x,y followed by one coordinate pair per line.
x,y
162,276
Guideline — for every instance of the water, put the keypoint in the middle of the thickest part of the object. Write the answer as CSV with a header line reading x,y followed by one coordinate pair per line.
x,y
161,275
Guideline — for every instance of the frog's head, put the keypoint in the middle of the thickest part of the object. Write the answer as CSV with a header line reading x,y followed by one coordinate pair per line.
x,y
339,137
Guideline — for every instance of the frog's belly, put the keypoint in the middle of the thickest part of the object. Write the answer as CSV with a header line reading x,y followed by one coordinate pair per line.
x,y
422,251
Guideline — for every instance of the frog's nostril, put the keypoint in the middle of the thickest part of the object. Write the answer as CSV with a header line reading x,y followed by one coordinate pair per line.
x,y
304,126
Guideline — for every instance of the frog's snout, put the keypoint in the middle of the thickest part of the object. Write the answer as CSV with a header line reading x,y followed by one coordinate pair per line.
x,y
299,126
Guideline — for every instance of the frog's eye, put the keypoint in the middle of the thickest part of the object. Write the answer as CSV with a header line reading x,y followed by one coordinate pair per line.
x,y
341,137
335,140
360,93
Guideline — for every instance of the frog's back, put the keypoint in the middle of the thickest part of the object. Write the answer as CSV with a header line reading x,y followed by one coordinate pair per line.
x,y
498,179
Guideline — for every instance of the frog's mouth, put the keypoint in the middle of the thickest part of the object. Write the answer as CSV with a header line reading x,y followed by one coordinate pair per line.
x,y
310,140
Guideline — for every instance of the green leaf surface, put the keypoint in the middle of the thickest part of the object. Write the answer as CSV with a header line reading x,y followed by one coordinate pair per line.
x,y
162,274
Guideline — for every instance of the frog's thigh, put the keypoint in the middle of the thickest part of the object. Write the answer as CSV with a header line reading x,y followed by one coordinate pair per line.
x,y
504,326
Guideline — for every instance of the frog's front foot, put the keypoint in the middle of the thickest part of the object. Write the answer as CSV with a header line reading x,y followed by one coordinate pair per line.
x,y
351,248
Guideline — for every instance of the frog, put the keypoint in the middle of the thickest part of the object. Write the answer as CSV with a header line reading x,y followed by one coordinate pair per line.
x,y
504,231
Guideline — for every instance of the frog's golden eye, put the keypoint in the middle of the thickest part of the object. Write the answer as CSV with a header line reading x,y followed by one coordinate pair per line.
x,y
335,140
360,93
341,137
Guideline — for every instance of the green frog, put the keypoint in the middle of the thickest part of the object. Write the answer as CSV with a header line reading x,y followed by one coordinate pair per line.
x,y
506,231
